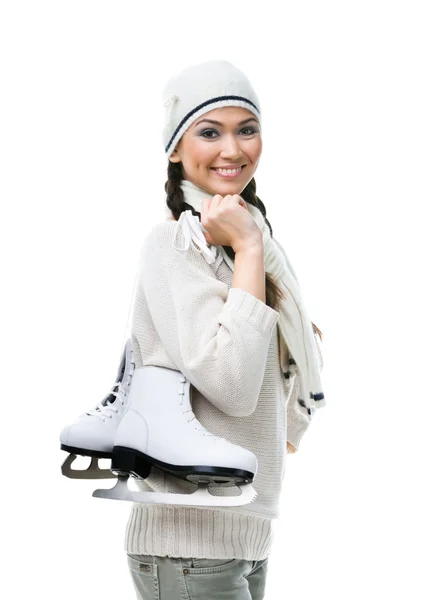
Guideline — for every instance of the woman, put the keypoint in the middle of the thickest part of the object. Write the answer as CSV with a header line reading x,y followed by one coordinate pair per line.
x,y
215,319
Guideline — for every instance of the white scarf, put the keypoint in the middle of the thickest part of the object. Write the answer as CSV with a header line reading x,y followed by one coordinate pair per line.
x,y
294,324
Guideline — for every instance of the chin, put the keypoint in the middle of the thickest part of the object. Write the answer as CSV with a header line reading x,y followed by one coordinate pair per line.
x,y
230,187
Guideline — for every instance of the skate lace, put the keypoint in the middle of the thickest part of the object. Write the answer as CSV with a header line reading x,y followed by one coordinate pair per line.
x,y
106,409
201,428
191,228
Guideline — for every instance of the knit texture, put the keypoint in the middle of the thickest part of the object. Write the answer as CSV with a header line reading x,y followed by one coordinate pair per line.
x,y
199,88
224,340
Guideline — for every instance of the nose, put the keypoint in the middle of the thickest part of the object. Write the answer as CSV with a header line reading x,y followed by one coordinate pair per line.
x,y
231,148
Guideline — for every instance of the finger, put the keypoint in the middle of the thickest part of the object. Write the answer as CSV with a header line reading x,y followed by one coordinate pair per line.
x,y
234,200
205,206
216,206
227,200
216,201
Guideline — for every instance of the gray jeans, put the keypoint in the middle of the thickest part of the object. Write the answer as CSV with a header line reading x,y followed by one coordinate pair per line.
x,y
165,578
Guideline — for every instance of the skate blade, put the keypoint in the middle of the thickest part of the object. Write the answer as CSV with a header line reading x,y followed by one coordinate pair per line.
x,y
200,497
92,472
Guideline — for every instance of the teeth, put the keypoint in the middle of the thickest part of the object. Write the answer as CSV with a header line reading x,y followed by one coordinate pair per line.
x,y
226,171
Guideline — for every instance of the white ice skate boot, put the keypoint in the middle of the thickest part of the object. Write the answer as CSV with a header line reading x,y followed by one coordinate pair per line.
x,y
92,434
159,428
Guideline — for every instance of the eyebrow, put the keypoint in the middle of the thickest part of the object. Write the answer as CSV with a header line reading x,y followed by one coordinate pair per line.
x,y
218,122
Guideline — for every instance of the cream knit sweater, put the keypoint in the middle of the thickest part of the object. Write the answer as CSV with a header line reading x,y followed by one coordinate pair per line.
x,y
224,340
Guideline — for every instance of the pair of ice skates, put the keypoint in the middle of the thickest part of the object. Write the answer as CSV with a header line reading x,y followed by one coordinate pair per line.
x,y
147,420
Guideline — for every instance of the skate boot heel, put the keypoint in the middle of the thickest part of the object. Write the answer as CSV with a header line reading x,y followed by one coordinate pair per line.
x,y
127,461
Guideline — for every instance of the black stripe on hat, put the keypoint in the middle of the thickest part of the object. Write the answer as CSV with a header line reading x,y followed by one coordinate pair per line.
x,y
194,110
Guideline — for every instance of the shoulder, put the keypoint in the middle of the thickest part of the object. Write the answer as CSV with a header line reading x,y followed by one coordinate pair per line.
x,y
160,234
161,245
169,244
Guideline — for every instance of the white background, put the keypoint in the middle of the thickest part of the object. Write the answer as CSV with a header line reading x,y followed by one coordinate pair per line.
x,y
341,86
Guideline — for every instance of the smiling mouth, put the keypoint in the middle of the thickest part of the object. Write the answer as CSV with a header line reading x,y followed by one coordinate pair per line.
x,y
240,167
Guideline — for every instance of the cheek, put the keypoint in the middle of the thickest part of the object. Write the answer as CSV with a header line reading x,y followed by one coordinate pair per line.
x,y
200,153
205,157
255,150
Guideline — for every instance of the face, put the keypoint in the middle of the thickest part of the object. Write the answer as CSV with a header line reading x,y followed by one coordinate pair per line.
x,y
233,140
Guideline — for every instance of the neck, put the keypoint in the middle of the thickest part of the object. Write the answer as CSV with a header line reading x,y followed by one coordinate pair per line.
x,y
194,194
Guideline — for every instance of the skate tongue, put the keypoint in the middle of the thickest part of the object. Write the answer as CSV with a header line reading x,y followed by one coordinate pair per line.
x,y
127,364
104,407
119,388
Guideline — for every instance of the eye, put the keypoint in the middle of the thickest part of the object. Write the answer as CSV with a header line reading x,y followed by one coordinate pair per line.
x,y
208,131
251,130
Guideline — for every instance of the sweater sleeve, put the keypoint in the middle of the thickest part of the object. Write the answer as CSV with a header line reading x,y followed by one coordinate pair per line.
x,y
298,418
217,337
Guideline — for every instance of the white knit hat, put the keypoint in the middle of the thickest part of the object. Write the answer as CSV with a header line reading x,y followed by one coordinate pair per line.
x,y
199,89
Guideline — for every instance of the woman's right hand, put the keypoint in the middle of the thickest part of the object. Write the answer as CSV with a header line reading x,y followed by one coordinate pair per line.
x,y
229,223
